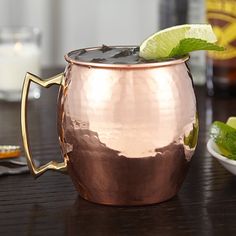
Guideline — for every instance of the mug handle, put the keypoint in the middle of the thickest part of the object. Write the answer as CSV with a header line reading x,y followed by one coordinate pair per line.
x,y
52,165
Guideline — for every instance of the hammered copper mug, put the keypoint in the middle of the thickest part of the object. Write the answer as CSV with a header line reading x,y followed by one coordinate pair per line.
x,y
127,131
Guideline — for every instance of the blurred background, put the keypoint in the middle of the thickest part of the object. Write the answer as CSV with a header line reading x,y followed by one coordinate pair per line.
x,y
71,24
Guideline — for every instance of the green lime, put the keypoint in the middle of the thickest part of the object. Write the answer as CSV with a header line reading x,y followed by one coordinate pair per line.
x,y
225,138
231,122
179,40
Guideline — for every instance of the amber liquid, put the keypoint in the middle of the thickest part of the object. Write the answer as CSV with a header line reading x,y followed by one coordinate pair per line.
x,y
221,79
221,66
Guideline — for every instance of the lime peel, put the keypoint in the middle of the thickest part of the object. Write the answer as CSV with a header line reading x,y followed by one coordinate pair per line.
x,y
231,121
224,137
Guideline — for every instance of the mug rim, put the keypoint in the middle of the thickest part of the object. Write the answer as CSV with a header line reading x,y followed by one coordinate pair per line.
x,y
123,66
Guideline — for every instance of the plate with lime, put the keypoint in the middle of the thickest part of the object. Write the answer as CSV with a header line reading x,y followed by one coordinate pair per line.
x,y
222,143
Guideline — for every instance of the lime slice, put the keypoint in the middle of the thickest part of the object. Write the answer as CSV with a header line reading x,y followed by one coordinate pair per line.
x,y
231,122
225,138
179,40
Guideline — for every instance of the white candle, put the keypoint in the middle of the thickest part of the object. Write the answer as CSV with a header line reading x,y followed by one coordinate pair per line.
x,y
15,60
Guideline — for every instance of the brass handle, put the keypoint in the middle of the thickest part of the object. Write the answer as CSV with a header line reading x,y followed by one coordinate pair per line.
x,y
52,165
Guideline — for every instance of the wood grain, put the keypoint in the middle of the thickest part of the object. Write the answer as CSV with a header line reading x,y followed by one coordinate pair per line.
x,y
49,205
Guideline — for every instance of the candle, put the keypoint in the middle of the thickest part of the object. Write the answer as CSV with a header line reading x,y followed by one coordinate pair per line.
x,y
15,61
17,56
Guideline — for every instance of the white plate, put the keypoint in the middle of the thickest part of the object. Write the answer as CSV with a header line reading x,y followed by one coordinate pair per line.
x,y
229,164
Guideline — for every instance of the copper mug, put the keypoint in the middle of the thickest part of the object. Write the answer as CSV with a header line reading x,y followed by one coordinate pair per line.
x,y
127,132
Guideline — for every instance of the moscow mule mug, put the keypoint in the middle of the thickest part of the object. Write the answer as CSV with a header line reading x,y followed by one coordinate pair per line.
x,y
127,132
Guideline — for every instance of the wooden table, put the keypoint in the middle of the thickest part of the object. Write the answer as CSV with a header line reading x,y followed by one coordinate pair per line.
x,y
49,205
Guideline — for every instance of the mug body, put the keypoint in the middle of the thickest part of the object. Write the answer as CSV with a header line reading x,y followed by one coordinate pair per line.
x,y
127,132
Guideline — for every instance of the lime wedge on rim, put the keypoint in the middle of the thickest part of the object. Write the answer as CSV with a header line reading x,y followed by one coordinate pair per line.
x,y
179,40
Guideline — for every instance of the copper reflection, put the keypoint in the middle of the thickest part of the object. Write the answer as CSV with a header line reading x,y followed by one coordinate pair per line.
x,y
122,129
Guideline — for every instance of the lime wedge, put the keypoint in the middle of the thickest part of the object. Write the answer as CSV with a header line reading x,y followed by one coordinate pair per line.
x,y
231,122
179,40
225,138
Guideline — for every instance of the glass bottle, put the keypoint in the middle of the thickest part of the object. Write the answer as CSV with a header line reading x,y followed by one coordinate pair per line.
x,y
174,12
221,66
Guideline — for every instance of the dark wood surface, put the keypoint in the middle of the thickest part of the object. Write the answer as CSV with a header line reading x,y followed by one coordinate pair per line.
x,y
49,205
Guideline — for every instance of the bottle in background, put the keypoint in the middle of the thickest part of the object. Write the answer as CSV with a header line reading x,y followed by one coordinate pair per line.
x,y
221,66
172,13
179,12
196,15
